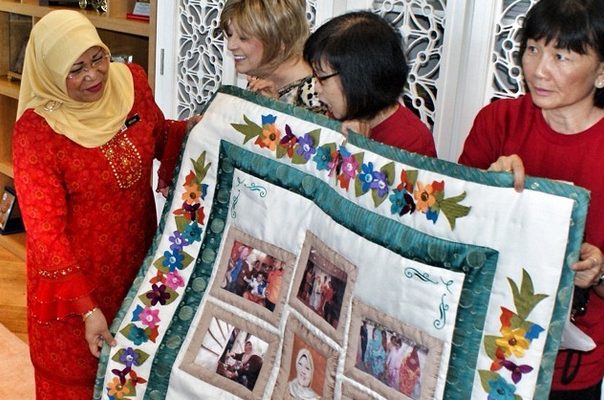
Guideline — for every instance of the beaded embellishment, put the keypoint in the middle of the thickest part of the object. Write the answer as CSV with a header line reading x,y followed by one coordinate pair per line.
x,y
58,273
51,105
124,159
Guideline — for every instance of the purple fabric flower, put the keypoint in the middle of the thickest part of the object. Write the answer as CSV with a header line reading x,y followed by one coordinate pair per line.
x,y
158,295
379,183
517,370
305,146
129,357
178,241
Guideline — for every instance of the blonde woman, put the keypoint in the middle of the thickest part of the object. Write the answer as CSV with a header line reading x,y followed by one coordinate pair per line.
x,y
266,38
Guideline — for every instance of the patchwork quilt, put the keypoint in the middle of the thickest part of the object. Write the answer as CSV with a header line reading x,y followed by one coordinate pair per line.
x,y
292,262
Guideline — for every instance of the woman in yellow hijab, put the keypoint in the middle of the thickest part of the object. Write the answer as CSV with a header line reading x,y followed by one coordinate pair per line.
x,y
83,146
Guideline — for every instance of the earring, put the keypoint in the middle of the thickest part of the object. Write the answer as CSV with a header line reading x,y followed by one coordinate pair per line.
x,y
600,83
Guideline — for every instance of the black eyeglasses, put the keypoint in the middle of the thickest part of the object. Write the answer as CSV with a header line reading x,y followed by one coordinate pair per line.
x,y
324,77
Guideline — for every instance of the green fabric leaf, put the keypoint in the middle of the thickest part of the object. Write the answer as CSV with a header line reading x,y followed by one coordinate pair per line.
x,y
358,187
485,377
159,264
315,134
187,260
377,200
297,158
525,298
388,169
201,169
453,210
490,347
250,129
281,151
181,223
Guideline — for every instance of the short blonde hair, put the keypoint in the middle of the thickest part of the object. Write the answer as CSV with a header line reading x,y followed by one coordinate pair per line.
x,y
280,25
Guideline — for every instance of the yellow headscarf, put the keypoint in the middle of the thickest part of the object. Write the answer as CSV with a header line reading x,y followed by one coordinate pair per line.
x,y
55,43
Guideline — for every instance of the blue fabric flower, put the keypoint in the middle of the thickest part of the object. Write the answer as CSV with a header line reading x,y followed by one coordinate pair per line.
x,y
305,147
499,389
366,176
533,332
322,158
432,215
204,190
137,312
402,202
137,335
192,232
268,119
173,260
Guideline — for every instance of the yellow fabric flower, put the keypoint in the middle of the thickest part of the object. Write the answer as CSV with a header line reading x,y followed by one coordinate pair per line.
x,y
513,341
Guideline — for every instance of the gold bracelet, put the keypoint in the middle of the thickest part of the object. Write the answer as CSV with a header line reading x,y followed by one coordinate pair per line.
x,y
88,314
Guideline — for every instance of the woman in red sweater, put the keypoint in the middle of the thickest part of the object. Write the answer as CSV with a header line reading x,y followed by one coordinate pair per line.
x,y
360,70
557,131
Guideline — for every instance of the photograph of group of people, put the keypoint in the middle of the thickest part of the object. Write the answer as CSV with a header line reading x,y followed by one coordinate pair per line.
x,y
254,275
322,288
392,358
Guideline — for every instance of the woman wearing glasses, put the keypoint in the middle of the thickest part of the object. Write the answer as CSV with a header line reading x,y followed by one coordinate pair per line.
x,y
361,70
83,145
266,38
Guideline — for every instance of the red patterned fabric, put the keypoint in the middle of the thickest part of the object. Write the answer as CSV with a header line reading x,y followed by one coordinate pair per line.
x,y
90,218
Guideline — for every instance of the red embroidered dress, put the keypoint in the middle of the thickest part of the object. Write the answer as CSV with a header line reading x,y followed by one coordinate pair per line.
x,y
90,218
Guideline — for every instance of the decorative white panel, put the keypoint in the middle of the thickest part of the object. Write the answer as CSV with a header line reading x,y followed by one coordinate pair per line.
x,y
199,61
506,72
422,24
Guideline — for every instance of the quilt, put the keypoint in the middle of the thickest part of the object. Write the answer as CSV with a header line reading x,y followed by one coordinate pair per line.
x,y
292,262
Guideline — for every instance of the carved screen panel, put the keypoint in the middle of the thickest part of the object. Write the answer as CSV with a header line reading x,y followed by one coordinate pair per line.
x,y
422,24
507,75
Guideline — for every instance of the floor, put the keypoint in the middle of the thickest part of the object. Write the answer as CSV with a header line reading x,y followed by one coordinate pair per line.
x,y
16,372
12,294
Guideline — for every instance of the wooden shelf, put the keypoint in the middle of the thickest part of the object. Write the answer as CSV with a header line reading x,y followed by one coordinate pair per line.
x,y
9,88
114,20
6,168
15,243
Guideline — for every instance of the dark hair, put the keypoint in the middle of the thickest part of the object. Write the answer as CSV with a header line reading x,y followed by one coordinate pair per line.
x,y
574,25
367,52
